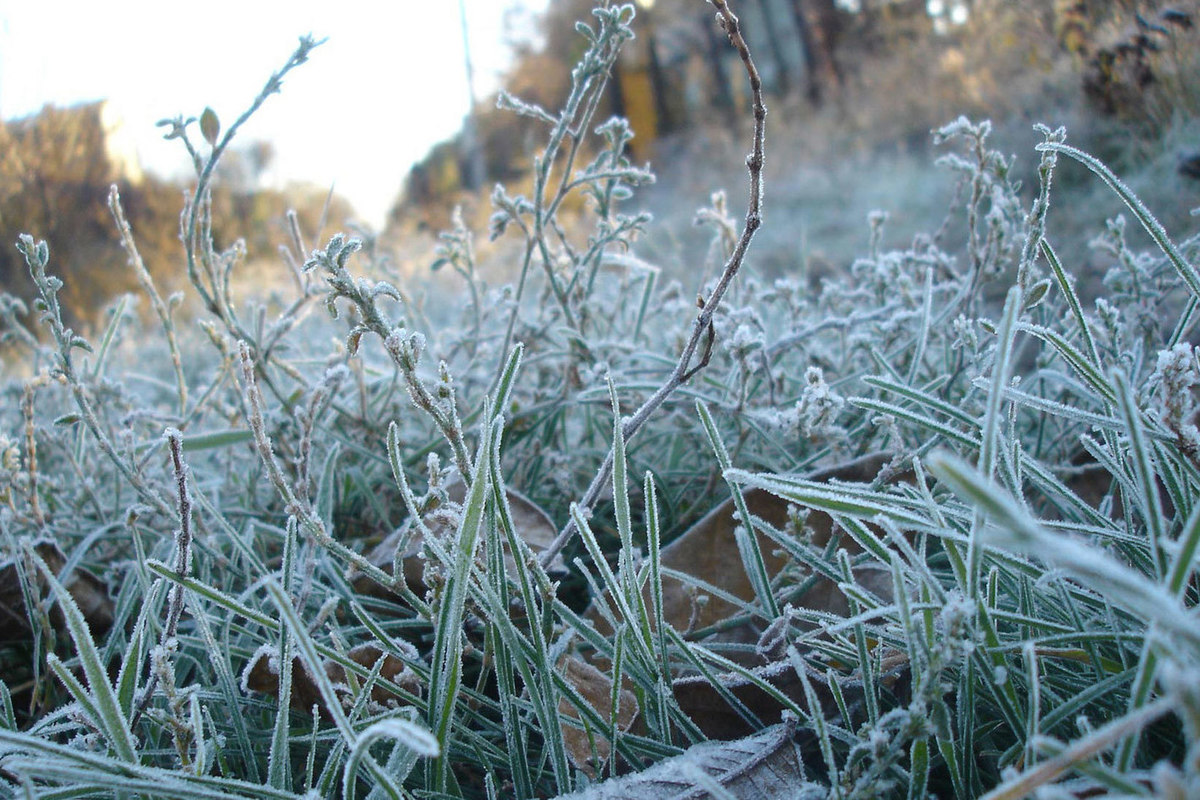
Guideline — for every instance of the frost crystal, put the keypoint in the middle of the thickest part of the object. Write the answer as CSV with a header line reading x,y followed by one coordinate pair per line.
x,y
818,406
1176,373
744,341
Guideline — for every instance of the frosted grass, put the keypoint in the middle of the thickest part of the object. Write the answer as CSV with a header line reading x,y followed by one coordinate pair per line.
x,y
1031,501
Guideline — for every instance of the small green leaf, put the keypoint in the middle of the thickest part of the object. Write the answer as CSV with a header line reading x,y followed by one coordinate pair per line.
x,y
1036,293
224,438
107,715
210,126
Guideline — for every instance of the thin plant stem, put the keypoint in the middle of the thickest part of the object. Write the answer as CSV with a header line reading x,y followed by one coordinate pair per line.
x,y
702,327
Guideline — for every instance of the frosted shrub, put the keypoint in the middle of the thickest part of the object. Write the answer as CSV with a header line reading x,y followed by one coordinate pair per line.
x,y
993,483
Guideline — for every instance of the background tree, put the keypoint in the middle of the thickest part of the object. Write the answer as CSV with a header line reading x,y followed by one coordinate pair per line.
x,y
55,172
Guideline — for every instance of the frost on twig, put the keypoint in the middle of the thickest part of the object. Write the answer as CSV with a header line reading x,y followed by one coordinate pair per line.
x,y
402,345
697,350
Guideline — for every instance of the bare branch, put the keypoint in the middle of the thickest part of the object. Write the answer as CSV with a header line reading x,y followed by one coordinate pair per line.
x,y
703,323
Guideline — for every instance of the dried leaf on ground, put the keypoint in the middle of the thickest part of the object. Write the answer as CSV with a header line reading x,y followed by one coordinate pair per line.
x,y
766,766
705,704
708,551
532,524
89,593
585,746
261,674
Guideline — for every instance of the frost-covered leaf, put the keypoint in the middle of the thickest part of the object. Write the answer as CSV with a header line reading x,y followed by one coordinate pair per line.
x,y
414,739
1036,293
261,674
216,438
108,716
88,592
584,745
533,525
766,766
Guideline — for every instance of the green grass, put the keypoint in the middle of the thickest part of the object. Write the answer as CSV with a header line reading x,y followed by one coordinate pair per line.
x,y
226,472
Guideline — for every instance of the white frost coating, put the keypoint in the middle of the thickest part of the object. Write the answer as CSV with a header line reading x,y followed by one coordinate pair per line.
x,y
415,737
818,407
765,765
268,651
745,340
407,650
336,374
1177,372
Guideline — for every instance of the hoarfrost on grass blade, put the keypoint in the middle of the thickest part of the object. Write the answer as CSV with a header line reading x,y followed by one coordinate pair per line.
x,y
1015,529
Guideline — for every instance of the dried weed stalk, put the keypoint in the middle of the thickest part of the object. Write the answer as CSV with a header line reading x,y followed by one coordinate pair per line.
x,y
702,327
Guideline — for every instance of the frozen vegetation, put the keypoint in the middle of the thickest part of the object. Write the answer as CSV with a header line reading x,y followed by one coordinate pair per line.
x,y
318,545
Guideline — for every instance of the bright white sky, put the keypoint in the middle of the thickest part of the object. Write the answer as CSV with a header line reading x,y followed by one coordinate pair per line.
x,y
388,84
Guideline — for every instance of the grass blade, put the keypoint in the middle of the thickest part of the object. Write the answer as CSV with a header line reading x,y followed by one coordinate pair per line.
x,y
448,643
1017,530
747,541
109,717
1144,469
1186,271
413,737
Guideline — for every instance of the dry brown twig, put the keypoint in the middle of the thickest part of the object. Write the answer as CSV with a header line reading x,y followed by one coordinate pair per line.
x,y
702,327
183,547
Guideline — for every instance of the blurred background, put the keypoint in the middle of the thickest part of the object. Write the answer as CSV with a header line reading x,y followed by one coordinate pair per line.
x,y
394,123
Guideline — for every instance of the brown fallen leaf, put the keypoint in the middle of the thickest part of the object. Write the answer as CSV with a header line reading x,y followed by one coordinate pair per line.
x,y
765,766
708,552
261,674
89,593
532,524
718,719
588,747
